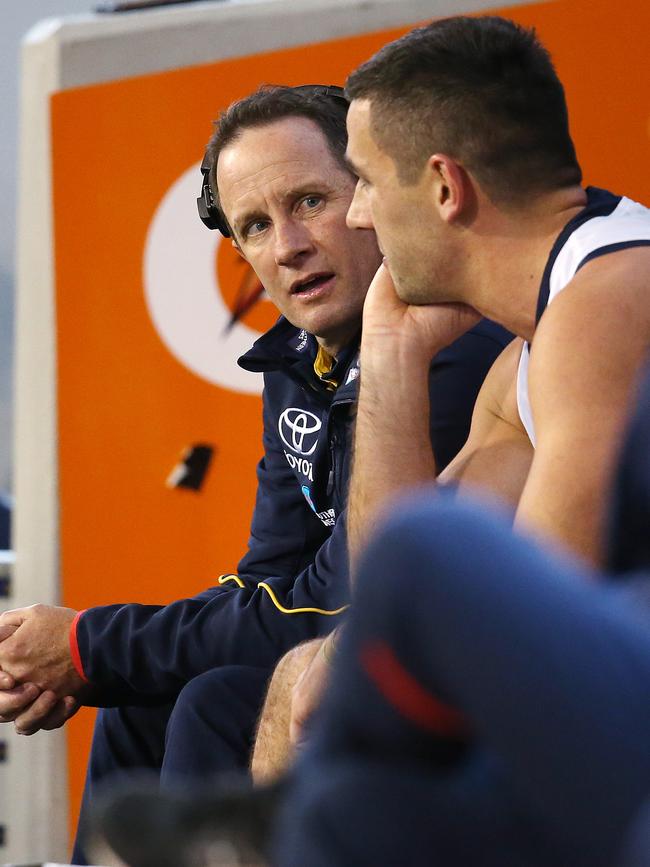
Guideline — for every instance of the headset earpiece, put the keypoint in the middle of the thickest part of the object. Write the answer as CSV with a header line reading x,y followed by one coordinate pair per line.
x,y
211,215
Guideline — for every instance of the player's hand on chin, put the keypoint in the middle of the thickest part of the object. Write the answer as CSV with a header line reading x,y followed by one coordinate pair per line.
x,y
422,329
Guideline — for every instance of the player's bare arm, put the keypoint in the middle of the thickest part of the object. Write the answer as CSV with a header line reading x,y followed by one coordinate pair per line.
x,y
398,343
497,456
585,357
397,348
392,450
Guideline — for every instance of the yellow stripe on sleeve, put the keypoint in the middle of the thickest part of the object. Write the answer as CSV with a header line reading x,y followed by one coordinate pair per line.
x,y
284,610
223,579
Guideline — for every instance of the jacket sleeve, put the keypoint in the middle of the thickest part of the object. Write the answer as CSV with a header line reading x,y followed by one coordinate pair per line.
x,y
144,654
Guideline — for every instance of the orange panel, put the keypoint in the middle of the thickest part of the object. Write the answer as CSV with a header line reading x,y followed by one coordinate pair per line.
x,y
127,406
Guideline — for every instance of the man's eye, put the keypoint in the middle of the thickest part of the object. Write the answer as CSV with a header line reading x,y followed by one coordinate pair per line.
x,y
312,201
255,228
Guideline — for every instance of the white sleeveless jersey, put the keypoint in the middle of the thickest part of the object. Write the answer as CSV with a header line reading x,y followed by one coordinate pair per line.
x,y
606,224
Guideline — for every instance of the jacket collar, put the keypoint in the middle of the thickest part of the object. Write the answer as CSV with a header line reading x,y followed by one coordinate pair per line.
x,y
285,347
283,343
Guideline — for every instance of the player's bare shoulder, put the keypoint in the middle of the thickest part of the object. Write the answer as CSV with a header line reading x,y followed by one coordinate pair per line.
x,y
594,335
584,362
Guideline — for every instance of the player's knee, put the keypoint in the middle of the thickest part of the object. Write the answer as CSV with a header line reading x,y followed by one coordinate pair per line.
x,y
290,667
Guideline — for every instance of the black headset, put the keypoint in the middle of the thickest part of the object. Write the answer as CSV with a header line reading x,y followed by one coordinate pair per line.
x,y
210,214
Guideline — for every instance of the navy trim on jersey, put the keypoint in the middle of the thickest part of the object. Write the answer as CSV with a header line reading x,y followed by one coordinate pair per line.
x,y
612,248
600,203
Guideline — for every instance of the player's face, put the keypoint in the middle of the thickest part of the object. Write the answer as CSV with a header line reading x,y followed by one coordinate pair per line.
x,y
286,198
408,229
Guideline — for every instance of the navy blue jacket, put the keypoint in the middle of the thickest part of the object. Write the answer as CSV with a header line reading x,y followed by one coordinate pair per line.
x,y
292,584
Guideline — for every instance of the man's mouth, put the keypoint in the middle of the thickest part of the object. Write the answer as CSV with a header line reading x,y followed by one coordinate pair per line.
x,y
310,284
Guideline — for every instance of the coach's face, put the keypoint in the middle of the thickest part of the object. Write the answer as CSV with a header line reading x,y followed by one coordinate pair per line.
x,y
286,198
409,230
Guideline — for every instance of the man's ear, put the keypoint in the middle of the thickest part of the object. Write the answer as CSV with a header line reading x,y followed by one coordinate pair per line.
x,y
449,187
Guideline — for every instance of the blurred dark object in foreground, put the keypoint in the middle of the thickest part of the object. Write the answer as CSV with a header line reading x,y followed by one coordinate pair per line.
x,y
228,824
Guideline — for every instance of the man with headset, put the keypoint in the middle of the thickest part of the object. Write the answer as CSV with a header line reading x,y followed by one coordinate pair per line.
x,y
181,684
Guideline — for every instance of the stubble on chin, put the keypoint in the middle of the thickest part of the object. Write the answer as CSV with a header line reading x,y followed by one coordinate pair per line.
x,y
411,291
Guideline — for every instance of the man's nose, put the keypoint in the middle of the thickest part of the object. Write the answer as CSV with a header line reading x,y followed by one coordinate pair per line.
x,y
358,216
292,239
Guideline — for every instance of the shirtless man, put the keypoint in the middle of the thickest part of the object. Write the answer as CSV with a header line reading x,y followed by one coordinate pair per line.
x,y
495,221
458,134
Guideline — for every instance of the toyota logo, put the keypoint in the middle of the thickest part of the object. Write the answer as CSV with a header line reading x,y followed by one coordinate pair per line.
x,y
298,430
